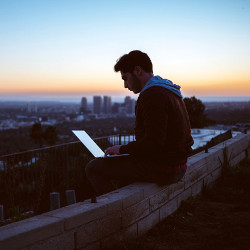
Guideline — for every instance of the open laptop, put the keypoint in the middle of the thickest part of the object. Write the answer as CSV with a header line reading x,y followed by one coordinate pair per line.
x,y
90,144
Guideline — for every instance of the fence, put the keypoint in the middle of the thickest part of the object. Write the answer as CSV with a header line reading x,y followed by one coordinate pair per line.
x,y
27,178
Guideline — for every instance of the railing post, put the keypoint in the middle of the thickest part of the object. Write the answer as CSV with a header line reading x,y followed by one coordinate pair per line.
x,y
1,213
120,139
70,197
54,200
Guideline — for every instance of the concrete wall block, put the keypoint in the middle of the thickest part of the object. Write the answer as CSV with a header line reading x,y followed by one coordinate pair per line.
x,y
241,136
111,224
184,195
83,212
148,188
245,140
198,165
130,232
127,196
215,159
197,188
193,169
175,189
215,149
148,222
88,233
237,159
119,238
227,143
134,197
27,232
113,202
62,241
168,208
195,158
192,177
237,147
210,179
189,179
158,199
134,213
214,164
130,195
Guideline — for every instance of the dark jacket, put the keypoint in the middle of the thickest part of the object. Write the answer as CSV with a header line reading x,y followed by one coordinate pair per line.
x,y
162,128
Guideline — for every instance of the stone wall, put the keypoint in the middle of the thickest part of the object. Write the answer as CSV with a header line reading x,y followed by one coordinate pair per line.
x,y
125,213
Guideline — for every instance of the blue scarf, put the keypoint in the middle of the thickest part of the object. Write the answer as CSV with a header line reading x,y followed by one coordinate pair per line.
x,y
158,81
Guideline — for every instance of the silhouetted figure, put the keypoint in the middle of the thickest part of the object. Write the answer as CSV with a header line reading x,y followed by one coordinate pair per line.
x,y
162,131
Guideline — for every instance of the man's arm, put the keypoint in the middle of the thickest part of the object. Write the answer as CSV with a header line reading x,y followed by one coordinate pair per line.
x,y
115,150
154,115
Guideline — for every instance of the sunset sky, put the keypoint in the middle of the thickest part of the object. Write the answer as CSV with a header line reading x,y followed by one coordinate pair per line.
x,y
59,47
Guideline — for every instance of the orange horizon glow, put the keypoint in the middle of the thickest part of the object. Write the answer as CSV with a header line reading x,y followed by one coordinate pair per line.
x,y
110,83
224,87
214,89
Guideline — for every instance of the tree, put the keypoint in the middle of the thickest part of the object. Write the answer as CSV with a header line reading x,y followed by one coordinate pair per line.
x,y
50,135
36,133
195,109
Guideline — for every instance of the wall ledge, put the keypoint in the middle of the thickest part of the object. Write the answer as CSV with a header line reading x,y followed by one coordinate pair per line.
x,y
124,213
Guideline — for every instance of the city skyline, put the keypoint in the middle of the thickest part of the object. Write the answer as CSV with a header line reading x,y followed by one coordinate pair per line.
x,y
66,49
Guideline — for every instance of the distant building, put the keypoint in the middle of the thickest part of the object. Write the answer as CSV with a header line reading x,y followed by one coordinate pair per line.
x,y
132,107
129,105
84,106
32,108
115,108
97,102
107,105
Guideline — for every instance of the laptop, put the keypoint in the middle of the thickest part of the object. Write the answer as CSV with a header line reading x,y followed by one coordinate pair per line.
x,y
90,144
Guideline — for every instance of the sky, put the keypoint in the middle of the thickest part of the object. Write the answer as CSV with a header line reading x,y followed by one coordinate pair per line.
x,y
68,48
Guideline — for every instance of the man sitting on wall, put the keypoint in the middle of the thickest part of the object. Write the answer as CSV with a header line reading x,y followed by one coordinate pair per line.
x,y
162,131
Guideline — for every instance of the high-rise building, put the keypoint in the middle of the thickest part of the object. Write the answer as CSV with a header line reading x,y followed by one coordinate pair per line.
x,y
107,105
97,104
133,103
129,105
115,108
127,99
32,108
84,106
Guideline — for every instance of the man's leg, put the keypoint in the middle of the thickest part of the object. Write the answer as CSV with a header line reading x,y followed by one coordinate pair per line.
x,y
101,171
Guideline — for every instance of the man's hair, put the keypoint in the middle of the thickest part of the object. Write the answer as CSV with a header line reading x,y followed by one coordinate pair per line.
x,y
128,62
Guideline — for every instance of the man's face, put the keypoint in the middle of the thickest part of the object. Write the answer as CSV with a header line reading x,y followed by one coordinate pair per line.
x,y
131,82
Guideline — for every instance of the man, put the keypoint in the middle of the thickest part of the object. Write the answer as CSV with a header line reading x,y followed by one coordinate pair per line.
x,y
162,131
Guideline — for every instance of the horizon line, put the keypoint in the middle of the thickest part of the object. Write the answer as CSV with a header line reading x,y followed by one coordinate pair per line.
x,y
77,98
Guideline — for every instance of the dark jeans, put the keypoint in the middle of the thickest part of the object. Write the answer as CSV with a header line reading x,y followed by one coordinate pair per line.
x,y
101,171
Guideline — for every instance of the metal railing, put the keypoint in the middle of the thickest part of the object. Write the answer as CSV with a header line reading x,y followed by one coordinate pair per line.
x,y
27,178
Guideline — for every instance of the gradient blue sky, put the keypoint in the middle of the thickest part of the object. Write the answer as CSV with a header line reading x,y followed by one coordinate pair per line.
x,y
70,47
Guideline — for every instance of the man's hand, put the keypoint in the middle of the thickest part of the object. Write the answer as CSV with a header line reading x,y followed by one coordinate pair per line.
x,y
113,150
